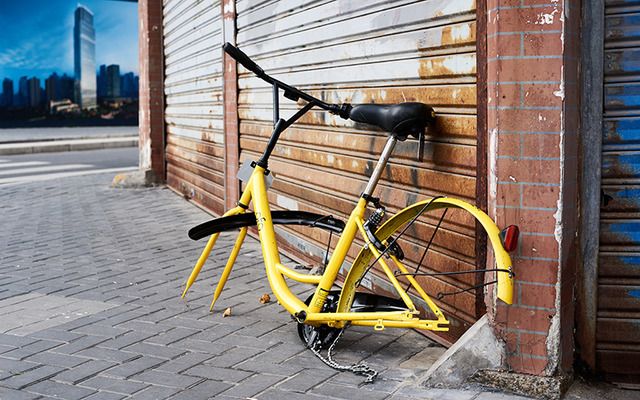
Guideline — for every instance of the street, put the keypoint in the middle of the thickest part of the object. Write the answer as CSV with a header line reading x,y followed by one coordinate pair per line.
x,y
45,166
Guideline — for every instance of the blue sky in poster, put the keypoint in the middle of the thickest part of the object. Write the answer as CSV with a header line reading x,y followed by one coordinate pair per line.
x,y
36,36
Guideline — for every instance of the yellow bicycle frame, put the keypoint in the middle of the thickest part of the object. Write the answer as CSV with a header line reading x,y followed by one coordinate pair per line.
x,y
256,191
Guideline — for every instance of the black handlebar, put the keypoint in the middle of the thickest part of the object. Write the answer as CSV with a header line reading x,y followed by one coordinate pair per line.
x,y
289,91
243,59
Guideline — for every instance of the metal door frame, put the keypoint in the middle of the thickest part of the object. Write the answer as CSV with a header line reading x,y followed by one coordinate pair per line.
x,y
591,100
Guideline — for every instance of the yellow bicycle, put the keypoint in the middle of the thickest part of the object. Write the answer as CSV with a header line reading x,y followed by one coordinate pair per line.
x,y
327,311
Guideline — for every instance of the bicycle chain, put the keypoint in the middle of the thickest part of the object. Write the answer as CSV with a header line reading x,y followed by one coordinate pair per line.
x,y
360,368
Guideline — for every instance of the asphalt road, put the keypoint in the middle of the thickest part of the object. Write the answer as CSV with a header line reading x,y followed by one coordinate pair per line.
x,y
45,166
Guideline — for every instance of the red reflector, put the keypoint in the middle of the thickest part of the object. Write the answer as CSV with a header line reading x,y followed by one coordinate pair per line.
x,y
509,236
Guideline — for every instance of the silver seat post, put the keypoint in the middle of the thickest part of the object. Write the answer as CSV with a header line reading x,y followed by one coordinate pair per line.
x,y
382,162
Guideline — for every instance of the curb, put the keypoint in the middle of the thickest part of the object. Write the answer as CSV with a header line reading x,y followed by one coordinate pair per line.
x,y
67,145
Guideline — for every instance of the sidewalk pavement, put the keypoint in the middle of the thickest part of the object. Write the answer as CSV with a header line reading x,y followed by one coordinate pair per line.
x,y
40,140
90,280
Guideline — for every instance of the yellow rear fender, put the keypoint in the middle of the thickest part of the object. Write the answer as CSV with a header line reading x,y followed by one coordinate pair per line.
x,y
364,258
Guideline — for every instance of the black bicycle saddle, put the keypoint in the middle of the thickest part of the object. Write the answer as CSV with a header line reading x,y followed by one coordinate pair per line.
x,y
399,120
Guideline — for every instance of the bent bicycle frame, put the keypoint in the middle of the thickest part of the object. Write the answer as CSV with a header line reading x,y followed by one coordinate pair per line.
x,y
256,192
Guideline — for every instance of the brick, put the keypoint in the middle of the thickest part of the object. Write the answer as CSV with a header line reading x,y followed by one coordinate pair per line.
x,y
105,396
533,344
536,44
11,394
155,350
172,336
15,341
541,19
306,379
504,95
524,318
133,367
217,373
538,246
57,359
543,69
126,340
61,390
541,95
509,144
540,196
253,385
508,195
114,385
537,171
537,296
10,367
184,362
341,391
30,349
80,344
526,364
31,377
202,391
100,353
235,356
547,146
155,393
530,221
507,45
167,379
275,394
535,270
57,335
84,371
529,120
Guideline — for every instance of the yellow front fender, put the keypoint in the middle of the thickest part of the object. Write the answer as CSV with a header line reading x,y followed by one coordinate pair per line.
x,y
503,261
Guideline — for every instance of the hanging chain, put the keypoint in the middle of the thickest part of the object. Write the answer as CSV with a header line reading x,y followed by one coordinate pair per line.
x,y
360,368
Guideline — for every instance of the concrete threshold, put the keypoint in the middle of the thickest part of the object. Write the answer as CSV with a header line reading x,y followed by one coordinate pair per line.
x,y
67,145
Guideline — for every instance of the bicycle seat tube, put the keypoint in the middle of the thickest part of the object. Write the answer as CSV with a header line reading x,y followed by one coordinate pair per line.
x,y
382,163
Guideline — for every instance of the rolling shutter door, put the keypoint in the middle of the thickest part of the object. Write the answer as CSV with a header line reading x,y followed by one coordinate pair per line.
x,y
368,52
618,319
193,95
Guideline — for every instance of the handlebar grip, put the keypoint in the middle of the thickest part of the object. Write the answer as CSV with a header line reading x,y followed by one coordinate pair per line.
x,y
242,58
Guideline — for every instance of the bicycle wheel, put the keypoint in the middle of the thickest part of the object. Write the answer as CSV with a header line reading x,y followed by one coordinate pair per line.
x,y
400,225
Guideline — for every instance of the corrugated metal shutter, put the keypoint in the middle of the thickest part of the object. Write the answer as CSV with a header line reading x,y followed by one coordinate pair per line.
x,y
193,93
375,51
618,319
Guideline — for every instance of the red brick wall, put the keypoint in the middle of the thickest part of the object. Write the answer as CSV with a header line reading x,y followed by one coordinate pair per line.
x,y
151,113
532,123
231,132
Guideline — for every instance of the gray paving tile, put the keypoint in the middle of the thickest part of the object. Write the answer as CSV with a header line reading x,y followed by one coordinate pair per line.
x,y
133,367
155,393
84,371
60,390
204,390
161,378
31,377
12,394
114,385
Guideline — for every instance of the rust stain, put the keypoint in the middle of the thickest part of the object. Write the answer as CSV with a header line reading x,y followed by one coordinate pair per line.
x,y
457,35
447,66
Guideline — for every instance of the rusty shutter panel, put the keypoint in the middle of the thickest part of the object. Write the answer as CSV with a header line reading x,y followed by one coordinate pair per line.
x,y
618,319
377,51
193,93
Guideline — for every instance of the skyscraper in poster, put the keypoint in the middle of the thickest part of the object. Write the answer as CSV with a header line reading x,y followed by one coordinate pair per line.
x,y
84,57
